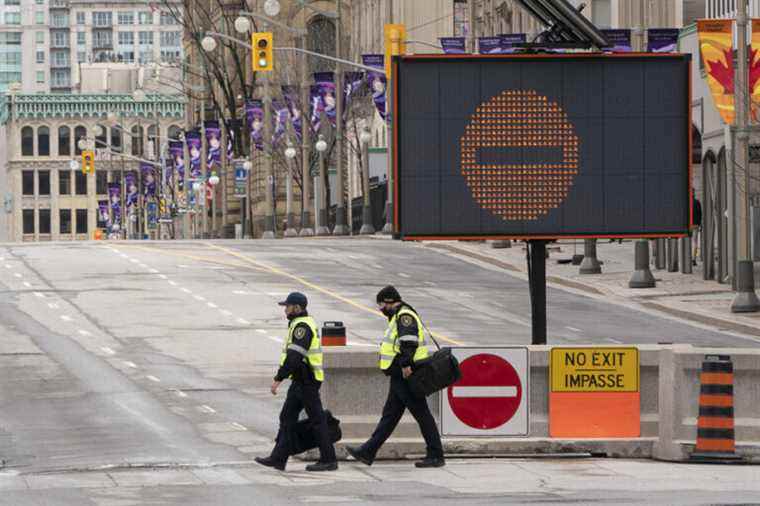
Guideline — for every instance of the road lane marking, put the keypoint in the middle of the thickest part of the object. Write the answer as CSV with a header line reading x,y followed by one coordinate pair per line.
x,y
115,250
153,378
243,322
207,409
27,284
153,271
275,339
52,305
124,256
614,340
130,364
180,393
163,276
173,283
573,329
186,290
17,275
313,286
211,305
261,331
225,312
66,318
134,260
377,266
84,332
429,283
39,294
238,426
404,275
483,392
199,297
8,266
108,350
193,257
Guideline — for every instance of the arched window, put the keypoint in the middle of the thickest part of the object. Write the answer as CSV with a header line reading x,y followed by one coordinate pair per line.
x,y
80,132
137,140
43,141
174,133
153,142
116,137
321,35
101,141
27,141
64,141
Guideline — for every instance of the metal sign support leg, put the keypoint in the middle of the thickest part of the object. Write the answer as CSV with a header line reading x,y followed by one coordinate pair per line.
x,y
537,282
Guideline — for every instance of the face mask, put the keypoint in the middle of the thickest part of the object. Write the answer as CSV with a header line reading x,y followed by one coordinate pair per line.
x,y
387,311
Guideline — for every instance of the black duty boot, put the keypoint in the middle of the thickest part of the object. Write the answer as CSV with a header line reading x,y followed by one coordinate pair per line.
x,y
270,462
357,453
430,462
322,466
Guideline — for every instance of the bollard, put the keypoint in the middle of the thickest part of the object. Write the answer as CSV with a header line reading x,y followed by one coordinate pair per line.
x,y
659,253
685,251
672,254
715,424
590,264
642,276
333,334
745,300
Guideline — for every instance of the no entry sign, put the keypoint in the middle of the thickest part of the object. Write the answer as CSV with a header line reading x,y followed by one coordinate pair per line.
x,y
492,397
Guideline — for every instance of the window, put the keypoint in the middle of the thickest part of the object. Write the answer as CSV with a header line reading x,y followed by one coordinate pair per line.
x,y
80,132
101,182
126,18
153,142
145,18
10,38
43,141
80,18
116,138
40,56
12,18
137,140
126,56
11,58
81,38
169,56
28,219
82,57
43,182
101,141
102,19
102,40
39,18
60,39
40,77
61,79
127,38
59,20
146,38
167,18
12,2
40,2
27,141
174,133
64,141
64,182
146,56
81,221
61,59
65,221
170,39
44,221
39,37
27,182
80,182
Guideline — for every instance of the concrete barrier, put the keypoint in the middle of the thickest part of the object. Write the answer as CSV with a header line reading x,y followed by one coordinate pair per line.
x,y
356,389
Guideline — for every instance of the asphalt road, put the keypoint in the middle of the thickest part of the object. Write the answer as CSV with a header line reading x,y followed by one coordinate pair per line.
x,y
137,355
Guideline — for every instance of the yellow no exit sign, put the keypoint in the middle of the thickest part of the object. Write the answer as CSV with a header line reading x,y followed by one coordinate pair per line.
x,y
598,369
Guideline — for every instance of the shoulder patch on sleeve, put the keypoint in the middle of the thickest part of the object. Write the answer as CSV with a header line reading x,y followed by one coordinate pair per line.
x,y
406,320
299,332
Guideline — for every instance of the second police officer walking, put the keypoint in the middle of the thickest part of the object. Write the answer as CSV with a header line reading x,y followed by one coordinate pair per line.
x,y
402,346
301,361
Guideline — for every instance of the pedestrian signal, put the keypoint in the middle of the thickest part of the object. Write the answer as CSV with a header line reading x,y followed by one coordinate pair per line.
x,y
88,162
262,51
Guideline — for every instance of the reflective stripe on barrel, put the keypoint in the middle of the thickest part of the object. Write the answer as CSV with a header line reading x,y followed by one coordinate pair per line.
x,y
715,425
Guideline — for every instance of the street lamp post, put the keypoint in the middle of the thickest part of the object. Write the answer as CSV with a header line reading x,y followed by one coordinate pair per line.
x,y
320,191
290,230
340,211
367,228
213,181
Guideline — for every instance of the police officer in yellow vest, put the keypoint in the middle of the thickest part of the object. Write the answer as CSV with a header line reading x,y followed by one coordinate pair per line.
x,y
301,361
402,346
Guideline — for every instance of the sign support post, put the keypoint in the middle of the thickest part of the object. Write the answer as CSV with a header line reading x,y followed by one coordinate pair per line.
x,y
537,283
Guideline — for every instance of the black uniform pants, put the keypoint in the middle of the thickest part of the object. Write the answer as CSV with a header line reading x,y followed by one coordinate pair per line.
x,y
302,396
400,397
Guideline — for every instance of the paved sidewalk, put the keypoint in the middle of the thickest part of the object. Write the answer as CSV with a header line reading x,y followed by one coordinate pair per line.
x,y
471,481
685,296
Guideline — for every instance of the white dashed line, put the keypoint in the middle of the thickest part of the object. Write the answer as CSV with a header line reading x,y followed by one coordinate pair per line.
x,y
27,284
614,340
211,305
186,290
134,260
404,275
84,332
180,393
275,339
162,276
153,378
207,409
66,318
261,331
39,294
130,364
573,329
153,271
238,426
199,297
52,305
108,351
8,266
225,312
173,283
377,266
243,322
17,274
115,250
124,256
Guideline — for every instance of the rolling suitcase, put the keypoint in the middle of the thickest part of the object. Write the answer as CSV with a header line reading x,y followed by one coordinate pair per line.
x,y
304,436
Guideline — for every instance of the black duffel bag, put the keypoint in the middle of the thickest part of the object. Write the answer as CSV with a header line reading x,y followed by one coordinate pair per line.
x,y
440,370
304,436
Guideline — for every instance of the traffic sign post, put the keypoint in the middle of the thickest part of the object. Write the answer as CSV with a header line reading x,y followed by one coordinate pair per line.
x,y
492,397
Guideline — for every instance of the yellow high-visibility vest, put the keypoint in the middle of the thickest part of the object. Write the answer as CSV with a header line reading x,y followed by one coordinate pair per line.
x,y
390,346
312,356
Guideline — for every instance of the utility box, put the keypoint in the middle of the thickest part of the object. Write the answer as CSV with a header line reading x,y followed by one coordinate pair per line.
x,y
333,334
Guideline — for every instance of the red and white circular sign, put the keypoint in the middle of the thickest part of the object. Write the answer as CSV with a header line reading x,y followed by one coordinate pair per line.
x,y
491,396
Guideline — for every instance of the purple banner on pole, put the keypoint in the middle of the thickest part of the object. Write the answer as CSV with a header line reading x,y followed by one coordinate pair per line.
x,y
317,106
254,113
489,45
230,142
376,81
452,45
177,154
114,196
130,181
508,41
148,179
619,40
194,147
662,40
290,93
103,215
352,82
281,119
214,142
326,83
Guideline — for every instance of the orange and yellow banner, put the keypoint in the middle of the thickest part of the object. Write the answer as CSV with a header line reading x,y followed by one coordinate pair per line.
x,y
716,46
754,69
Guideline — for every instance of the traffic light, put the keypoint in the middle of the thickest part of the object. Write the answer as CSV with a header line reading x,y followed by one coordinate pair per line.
x,y
262,51
395,44
88,162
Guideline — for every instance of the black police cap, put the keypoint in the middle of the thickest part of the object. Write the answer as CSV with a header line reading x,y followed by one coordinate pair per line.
x,y
295,299
388,294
